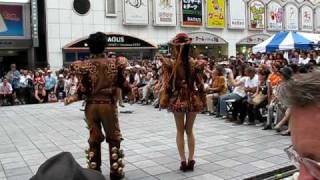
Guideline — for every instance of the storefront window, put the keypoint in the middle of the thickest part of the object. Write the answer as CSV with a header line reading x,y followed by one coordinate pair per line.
x,y
70,57
111,8
83,55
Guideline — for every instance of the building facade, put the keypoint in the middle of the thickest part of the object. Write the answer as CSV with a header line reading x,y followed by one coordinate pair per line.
x,y
137,27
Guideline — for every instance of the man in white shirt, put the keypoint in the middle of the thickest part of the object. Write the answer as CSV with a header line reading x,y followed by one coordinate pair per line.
x,y
6,92
24,90
303,59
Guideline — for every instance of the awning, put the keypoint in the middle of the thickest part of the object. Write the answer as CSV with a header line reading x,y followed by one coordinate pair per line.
x,y
286,41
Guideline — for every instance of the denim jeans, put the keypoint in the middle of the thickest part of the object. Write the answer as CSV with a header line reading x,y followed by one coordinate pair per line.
x,y
223,104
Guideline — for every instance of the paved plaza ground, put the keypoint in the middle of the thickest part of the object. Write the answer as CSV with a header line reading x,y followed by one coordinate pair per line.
x,y
31,134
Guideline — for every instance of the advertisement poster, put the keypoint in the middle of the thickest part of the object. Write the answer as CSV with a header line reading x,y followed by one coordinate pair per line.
x,y
291,17
237,14
216,14
135,12
274,16
192,13
317,19
257,15
11,20
306,18
165,12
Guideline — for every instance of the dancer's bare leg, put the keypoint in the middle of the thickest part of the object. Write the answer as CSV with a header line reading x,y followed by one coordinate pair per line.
x,y
189,130
179,118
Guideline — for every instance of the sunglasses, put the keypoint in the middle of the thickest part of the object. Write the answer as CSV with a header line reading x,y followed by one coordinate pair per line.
x,y
313,167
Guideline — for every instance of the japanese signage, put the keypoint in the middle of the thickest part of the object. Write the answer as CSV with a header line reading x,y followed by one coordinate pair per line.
x,y
317,19
292,17
256,15
11,20
216,14
274,16
237,15
135,12
306,16
34,22
165,12
206,38
192,13
255,39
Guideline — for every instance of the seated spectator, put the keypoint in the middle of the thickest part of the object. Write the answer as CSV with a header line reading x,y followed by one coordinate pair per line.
x,y
148,90
250,87
303,59
259,99
39,90
218,88
285,75
6,97
237,94
302,95
71,85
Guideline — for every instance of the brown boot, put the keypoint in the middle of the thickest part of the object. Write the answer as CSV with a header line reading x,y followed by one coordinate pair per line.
x,y
94,157
116,156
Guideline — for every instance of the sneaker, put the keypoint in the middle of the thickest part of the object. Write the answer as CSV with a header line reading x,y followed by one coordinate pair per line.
x,y
260,124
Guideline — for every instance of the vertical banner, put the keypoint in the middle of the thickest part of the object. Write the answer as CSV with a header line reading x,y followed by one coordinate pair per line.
x,y
164,12
306,16
317,19
135,12
34,22
237,14
292,17
216,14
192,13
274,16
11,20
257,15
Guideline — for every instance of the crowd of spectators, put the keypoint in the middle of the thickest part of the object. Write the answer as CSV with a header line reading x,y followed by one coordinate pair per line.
x,y
240,90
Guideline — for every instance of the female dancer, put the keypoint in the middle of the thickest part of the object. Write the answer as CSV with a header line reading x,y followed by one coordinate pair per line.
x,y
183,94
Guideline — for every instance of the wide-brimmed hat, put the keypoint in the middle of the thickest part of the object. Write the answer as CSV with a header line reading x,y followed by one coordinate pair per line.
x,y
64,167
181,38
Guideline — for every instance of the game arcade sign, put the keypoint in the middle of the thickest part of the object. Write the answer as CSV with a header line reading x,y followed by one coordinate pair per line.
x,y
191,13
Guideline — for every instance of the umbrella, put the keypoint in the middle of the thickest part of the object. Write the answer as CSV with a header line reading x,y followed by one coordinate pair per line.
x,y
287,41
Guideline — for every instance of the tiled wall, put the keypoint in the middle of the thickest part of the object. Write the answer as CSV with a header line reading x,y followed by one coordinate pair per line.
x,y
65,26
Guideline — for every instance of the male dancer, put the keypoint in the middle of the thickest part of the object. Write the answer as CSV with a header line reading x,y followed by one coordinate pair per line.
x,y
99,80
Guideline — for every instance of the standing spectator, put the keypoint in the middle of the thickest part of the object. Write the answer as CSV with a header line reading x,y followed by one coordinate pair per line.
x,y
60,88
50,83
23,84
39,83
6,93
302,96
13,77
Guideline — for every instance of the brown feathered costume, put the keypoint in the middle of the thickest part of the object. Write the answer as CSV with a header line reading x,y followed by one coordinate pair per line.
x,y
182,84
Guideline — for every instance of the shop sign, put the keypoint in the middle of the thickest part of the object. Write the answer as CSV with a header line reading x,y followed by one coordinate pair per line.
x,y
11,20
206,38
291,17
34,23
15,43
216,14
191,13
237,15
274,16
165,13
125,41
317,19
135,12
306,16
256,15
255,39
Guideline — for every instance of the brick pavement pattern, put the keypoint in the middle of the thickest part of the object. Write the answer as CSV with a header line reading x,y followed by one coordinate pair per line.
x,y
31,134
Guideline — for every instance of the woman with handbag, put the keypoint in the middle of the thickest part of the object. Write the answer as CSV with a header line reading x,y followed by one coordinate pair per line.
x,y
260,98
182,93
